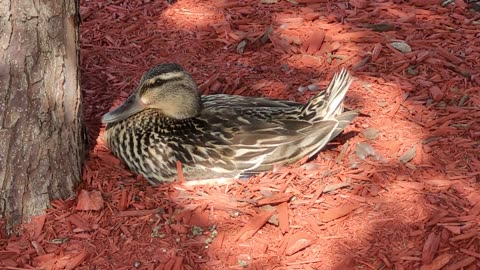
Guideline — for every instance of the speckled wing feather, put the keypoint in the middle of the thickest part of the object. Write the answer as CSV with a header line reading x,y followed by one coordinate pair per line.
x,y
260,108
257,145
249,140
213,101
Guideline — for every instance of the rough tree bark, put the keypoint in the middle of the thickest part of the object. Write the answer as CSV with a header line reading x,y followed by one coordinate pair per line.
x,y
42,135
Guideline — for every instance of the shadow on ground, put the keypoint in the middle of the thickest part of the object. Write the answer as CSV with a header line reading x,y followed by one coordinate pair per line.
x,y
419,100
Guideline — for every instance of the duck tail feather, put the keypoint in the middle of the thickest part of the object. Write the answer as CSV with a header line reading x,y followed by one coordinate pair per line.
x,y
343,120
328,103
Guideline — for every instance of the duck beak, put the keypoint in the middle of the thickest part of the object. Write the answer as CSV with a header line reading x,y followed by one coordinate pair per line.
x,y
128,108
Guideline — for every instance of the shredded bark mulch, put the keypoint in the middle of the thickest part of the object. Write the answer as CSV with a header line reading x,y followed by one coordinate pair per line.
x,y
398,190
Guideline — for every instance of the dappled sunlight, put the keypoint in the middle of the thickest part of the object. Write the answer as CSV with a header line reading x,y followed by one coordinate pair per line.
x,y
415,179
195,16
397,190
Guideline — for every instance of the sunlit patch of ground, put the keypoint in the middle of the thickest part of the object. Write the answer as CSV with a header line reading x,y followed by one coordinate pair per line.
x,y
398,190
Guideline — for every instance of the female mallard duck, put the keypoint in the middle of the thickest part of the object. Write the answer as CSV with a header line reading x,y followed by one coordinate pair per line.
x,y
165,120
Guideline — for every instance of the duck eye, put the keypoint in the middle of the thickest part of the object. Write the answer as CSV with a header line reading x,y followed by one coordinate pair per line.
x,y
158,82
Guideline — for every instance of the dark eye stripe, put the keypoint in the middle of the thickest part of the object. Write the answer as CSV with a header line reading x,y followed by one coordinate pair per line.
x,y
159,82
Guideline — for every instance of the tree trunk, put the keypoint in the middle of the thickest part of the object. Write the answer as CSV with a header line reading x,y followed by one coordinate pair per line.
x,y
42,135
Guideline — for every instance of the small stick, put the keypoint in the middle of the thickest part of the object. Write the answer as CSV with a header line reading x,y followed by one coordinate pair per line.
x,y
181,179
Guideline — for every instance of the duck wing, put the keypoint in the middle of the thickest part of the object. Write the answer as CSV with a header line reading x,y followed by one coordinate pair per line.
x,y
230,143
252,135
222,100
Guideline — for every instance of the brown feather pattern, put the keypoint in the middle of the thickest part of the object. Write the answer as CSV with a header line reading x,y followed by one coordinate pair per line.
x,y
230,136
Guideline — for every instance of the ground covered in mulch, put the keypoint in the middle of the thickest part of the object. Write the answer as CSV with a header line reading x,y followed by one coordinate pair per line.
x,y
400,189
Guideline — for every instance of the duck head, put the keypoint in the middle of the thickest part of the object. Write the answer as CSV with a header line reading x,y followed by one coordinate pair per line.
x,y
167,88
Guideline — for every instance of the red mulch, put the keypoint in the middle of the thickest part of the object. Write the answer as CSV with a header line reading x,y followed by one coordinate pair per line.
x,y
399,190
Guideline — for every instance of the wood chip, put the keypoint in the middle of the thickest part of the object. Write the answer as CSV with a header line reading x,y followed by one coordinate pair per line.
x,y
275,199
253,225
439,262
461,264
338,212
284,223
297,242
427,90
89,200
315,42
430,247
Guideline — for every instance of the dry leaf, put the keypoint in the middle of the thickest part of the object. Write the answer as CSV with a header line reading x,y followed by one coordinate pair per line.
x,y
409,155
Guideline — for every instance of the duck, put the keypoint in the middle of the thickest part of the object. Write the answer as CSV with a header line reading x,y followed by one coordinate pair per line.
x,y
166,121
